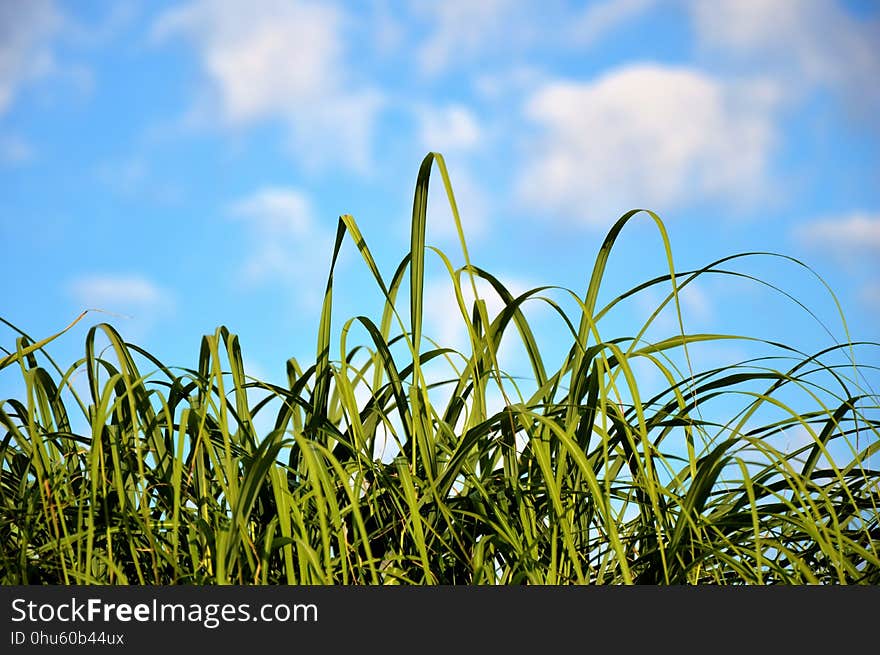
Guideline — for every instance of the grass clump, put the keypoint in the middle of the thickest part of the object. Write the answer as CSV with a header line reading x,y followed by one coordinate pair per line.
x,y
378,471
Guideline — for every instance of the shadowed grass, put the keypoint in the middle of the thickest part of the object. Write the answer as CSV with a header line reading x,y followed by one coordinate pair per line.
x,y
379,470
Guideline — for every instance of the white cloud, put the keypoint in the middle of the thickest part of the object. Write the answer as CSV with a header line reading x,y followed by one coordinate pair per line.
x,y
601,18
507,83
444,325
853,241
696,304
443,320
15,151
262,61
792,439
133,302
697,308
286,243
646,136
464,29
116,290
264,421
123,176
279,211
857,233
813,42
26,30
471,200
132,177
281,60
450,128
381,24
454,131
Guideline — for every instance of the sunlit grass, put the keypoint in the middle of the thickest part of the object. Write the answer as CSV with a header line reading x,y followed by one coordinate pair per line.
x,y
393,459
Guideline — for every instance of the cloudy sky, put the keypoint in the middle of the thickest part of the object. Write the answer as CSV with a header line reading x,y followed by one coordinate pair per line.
x,y
182,165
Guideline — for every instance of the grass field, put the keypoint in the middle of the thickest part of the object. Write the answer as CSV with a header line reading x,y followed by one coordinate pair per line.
x,y
378,469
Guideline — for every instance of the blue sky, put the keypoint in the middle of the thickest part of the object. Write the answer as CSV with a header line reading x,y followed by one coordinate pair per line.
x,y
182,165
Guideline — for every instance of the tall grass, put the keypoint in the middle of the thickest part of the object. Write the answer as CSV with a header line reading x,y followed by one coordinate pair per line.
x,y
377,470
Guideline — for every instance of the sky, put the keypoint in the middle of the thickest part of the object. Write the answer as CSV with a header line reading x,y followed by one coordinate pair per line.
x,y
182,166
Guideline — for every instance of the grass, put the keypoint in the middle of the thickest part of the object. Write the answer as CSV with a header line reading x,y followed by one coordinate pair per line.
x,y
377,470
